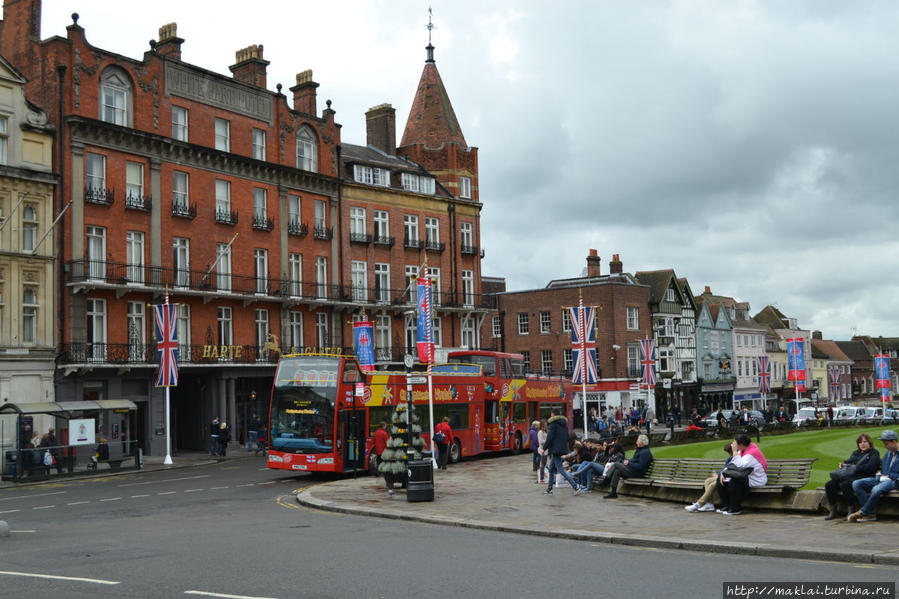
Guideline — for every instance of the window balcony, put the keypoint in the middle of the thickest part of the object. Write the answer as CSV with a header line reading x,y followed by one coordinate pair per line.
x,y
295,227
322,232
184,210
262,223
226,217
135,202
363,238
435,246
385,241
468,250
99,195
413,244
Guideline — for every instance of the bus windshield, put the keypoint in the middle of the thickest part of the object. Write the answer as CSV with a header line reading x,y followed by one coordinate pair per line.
x,y
303,401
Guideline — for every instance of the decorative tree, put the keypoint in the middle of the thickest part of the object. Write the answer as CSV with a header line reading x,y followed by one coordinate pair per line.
x,y
394,458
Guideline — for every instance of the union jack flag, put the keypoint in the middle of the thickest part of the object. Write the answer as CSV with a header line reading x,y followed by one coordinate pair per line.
x,y
648,361
764,374
834,382
167,336
583,343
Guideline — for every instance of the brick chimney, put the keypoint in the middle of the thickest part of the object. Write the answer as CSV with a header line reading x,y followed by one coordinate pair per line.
x,y
708,290
615,266
169,43
817,335
304,93
593,264
380,128
249,66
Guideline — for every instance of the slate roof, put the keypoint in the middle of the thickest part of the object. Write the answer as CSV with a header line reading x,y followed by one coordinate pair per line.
x,y
855,350
658,281
830,349
772,317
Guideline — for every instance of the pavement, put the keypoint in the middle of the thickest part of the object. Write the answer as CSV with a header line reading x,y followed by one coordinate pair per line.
x,y
500,494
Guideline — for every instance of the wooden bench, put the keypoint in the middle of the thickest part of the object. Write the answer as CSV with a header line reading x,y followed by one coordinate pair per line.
x,y
679,479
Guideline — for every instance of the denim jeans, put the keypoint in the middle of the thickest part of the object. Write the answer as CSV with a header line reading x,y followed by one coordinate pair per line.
x,y
214,445
864,486
555,465
585,471
252,439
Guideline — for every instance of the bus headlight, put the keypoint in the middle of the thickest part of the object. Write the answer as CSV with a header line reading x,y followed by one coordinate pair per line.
x,y
326,461
275,458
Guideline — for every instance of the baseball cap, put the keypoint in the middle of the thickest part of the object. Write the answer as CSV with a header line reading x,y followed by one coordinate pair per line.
x,y
889,435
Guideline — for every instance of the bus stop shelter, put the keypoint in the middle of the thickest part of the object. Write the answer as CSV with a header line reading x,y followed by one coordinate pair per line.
x,y
43,439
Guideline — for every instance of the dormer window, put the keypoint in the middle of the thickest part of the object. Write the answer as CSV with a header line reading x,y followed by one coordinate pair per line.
x,y
115,97
418,183
306,153
371,175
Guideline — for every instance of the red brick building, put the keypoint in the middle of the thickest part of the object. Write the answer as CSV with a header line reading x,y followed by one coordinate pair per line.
x,y
217,192
535,323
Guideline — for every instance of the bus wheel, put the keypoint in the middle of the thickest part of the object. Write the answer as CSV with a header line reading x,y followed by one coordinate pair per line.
x,y
516,448
455,452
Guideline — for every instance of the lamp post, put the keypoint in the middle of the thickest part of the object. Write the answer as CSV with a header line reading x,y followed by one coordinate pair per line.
x,y
408,361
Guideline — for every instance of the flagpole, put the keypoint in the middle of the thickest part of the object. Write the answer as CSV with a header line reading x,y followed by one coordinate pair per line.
x,y
583,325
430,317
168,413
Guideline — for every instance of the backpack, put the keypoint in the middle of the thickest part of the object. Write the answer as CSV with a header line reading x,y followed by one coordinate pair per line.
x,y
48,458
439,437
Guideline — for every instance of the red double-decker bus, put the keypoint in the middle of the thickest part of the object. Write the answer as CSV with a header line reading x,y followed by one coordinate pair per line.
x,y
318,421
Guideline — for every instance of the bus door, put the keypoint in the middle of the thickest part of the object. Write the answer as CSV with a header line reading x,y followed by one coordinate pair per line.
x,y
491,425
351,435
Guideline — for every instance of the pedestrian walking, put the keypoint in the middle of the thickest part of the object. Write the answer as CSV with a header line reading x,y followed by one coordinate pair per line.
x,y
534,444
541,441
214,431
557,445
443,436
253,434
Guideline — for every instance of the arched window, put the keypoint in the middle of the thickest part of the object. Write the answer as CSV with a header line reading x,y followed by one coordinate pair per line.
x,y
306,150
115,97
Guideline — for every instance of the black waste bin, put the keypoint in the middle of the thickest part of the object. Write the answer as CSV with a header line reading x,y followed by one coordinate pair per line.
x,y
421,480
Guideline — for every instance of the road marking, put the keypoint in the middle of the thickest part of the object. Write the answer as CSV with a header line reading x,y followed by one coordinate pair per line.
x,y
208,594
111,499
136,496
10,511
193,490
216,488
77,502
246,485
270,482
31,496
23,531
167,493
54,577
43,507
168,480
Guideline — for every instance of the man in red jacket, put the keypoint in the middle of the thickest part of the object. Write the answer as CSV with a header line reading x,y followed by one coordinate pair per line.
x,y
443,447
380,437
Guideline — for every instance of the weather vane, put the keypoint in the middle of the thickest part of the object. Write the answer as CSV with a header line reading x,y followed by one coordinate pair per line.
x,y
430,25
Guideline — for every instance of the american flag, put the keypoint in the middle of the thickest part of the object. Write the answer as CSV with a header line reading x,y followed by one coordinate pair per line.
x,y
167,335
583,344
764,374
648,361
834,382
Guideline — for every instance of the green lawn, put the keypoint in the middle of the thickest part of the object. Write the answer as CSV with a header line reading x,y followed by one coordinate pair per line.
x,y
830,446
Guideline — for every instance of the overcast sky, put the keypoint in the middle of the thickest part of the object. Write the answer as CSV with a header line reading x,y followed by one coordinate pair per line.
x,y
751,146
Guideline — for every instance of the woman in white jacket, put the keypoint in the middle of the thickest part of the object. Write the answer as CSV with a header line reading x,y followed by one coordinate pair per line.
x,y
746,454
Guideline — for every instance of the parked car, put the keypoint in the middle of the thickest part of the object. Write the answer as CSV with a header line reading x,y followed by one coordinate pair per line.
x,y
804,417
849,414
873,415
710,420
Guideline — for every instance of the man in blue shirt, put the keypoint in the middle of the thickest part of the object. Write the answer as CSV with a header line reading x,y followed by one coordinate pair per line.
x,y
885,480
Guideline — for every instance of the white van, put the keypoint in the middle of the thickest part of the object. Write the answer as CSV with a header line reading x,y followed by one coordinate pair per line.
x,y
804,417
873,415
849,414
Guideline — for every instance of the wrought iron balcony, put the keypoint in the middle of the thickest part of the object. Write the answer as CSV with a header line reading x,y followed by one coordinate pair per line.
x,y
468,250
322,232
363,238
435,246
262,223
136,202
295,227
226,217
99,195
415,244
184,210
386,241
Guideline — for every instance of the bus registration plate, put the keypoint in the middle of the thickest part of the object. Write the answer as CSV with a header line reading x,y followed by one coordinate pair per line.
x,y
298,467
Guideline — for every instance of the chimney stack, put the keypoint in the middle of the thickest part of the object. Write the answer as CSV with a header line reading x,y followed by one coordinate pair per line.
x,y
169,43
380,128
249,66
304,93
593,264
708,290
817,335
615,266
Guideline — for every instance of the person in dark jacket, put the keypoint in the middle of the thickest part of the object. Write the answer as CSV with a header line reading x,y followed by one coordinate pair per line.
x,y
635,467
866,460
556,445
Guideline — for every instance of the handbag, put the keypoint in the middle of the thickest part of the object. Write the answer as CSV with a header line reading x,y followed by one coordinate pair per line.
x,y
737,473
845,473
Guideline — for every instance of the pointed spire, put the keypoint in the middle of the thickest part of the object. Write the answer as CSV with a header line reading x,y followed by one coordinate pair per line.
x,y
432,121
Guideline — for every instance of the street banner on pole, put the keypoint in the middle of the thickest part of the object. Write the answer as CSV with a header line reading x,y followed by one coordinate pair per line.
x,y
363,335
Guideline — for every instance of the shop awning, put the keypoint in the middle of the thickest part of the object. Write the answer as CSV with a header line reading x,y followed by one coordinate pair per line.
x,y
62,408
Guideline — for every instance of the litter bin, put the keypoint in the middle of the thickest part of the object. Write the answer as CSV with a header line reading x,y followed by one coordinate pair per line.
x,y
421,480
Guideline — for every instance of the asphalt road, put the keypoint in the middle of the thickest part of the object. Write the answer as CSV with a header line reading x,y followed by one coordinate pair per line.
x,y
233,529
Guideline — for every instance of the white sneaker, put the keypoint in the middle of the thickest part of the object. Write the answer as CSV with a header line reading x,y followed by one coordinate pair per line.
x,y
720,510
692,507
707,507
